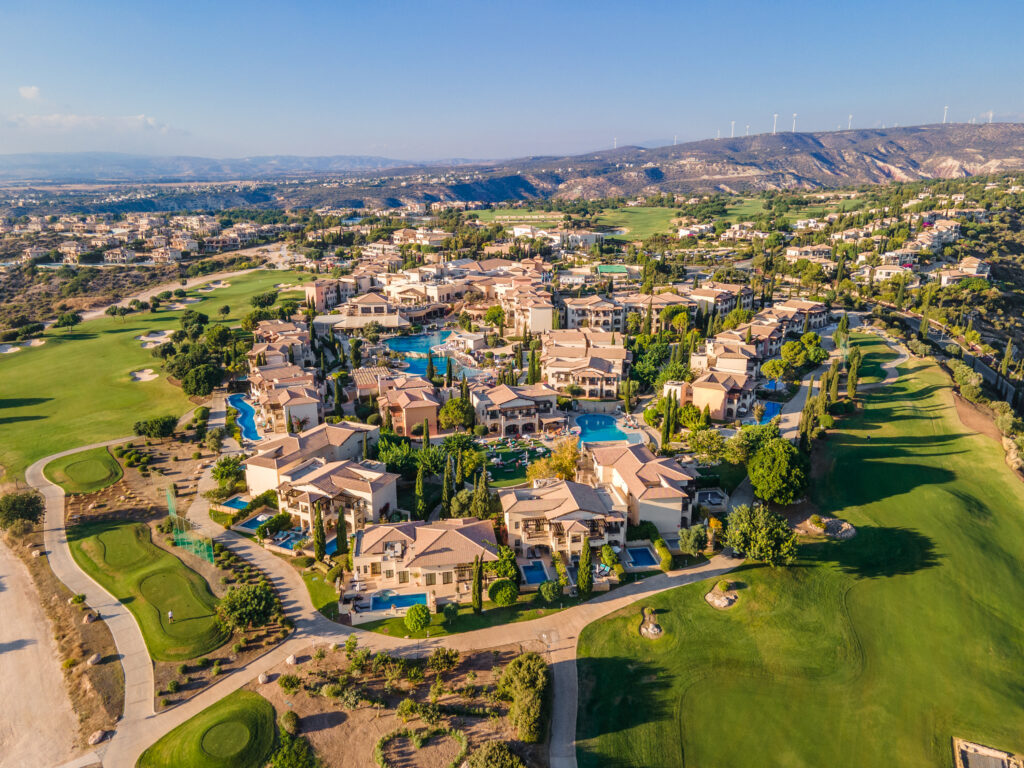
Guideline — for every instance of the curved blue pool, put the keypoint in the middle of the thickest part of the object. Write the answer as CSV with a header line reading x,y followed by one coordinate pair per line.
x,y
246,416
597,427
421,344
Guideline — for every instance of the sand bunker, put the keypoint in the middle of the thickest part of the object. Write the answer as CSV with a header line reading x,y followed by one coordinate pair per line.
x,y
146,374
285,286
6,349
218,284
33,343
206,289
153,339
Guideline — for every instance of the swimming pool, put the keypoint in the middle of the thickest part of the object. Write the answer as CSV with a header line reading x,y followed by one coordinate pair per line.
x,y
236,502
254,522
597,427
383,601
289,540
775,385
771,410
641,556
331,545
534,572
246,416
421,344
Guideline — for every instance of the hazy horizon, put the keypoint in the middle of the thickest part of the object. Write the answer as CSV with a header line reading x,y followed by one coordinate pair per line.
x,y
428,82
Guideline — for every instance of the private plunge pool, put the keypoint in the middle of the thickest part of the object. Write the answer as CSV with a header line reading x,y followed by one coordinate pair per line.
x,y
641,557
534,572
382,601
246,416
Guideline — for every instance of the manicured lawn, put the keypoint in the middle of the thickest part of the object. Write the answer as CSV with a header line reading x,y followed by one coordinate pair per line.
x,y
150,582
322,593
874,651
875,353
76,389
529,607
237,732
84,472
641,222
510,216
511,471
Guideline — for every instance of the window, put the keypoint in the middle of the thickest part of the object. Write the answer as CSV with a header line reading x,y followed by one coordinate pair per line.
x,y
375,569
446,577
403,577
389,574
516,526
429,579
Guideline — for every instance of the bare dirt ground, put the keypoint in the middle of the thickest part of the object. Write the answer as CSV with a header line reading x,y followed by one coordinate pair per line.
x,y
976,418
40,728
345,738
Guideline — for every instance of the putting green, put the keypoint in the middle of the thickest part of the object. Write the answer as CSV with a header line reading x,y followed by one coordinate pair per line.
x,y
873,651
226,739
236,732
150,582
84,472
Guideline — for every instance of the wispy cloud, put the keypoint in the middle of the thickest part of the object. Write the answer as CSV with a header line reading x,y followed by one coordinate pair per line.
x,y
69,122
29,92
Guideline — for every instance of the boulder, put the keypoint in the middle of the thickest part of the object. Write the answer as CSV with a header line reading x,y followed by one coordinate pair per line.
x,y
97,737
291,660
89,618
263,679
94,660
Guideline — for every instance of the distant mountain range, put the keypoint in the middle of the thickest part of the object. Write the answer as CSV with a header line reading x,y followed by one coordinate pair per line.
x,y
749,163
111,166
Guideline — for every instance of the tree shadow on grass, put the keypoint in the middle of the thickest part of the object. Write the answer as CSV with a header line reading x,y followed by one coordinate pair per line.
x,y
22,402
15,419
881,480
878,552
617,694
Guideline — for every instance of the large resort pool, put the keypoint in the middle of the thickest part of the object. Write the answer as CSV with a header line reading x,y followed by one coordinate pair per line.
x,y
417,347
246,416
599,427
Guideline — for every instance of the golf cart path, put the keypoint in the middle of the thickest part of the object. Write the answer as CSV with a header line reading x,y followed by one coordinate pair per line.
x,y
138,668
28,667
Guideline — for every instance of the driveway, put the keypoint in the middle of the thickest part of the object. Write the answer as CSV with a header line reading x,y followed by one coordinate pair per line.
x,y
40,729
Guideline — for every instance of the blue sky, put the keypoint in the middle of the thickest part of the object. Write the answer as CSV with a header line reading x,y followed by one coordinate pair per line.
x,y
436,79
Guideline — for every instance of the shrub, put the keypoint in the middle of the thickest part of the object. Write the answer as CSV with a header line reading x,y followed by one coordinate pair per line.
x,y
663,553
817,522
549,591
525,681
173,687
237,648
303,561
290,722
417,430
479,430
494,754
417,618
407,709
451,613
289,683
503,592
723,586
183,669
78,599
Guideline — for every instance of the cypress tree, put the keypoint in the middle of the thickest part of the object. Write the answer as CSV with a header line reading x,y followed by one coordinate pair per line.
x,y
446,490
851,381
337,398
822,397
705,417
426,432
807,322
478,586
342,535
460,477
389,423
449,373
464,389
430,366
366,447
833,391
421,502
584,574
319,537
1004,366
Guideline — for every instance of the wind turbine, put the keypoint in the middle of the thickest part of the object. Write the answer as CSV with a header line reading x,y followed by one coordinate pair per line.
x,y
775,122
615,142
990,117
794,122
849,122
945,111
748,129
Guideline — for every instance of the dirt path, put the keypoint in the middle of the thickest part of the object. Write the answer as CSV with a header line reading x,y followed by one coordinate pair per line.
x,y
40,729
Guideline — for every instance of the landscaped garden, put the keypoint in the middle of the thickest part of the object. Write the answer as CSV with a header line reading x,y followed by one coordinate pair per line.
x,y
84,472
507,464
871,651
86,394
122,557
237,732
